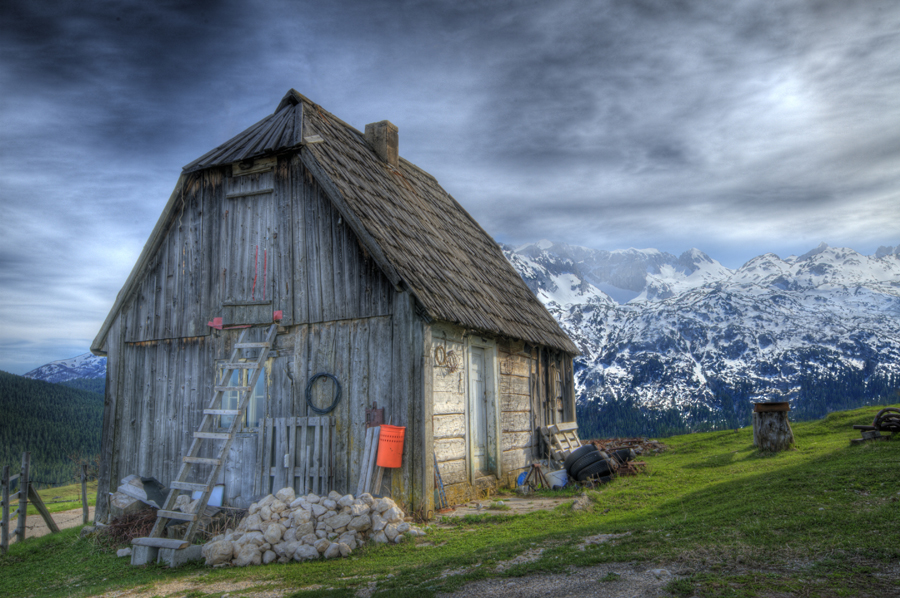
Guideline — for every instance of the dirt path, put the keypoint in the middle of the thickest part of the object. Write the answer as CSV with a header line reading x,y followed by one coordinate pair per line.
x,y
517,505
35,526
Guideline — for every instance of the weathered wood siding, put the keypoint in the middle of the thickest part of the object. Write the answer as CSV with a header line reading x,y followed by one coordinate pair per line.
x,y
449,419
341,316
519,436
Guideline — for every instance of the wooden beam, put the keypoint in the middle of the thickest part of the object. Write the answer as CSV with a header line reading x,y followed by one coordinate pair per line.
x,y
23,498
4,525
39,505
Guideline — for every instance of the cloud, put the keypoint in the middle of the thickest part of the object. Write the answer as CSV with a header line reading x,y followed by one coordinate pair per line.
x,y
736,127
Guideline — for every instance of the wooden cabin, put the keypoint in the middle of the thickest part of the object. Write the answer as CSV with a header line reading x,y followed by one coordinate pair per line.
x,y
374,275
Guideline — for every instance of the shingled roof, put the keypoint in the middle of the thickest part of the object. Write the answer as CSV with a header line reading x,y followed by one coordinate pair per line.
x,y
414,229
417,233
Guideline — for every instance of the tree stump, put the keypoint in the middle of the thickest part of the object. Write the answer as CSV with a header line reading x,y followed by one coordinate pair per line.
x,y
771,429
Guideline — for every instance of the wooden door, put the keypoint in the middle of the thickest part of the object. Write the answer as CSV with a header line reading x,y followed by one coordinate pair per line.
x,y
478,409
248,249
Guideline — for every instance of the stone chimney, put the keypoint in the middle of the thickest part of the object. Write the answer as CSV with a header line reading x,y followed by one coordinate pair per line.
x,y
384,138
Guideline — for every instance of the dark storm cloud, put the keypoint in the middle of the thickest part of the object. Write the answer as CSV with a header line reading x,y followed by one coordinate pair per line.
x,y
737,127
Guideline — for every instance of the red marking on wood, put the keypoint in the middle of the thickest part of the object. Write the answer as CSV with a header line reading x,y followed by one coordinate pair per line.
x,y
278,315
216,323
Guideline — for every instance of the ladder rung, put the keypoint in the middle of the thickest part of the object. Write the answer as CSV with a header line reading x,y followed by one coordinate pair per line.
x,y
189,486
201,460
161,543
244,365
175,515
232,388
251,345
213,435
221,412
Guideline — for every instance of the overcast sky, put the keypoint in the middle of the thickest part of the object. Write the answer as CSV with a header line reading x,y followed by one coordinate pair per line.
x,y
735,127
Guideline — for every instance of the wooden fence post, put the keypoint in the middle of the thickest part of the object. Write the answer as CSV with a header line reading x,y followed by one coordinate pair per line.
x,y
4,531
84,504
23,497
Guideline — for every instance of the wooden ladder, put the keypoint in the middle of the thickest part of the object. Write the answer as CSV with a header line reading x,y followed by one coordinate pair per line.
x,y
561,439
206,433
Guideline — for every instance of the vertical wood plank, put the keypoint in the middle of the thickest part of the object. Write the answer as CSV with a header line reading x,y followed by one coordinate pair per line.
x,y
4,524
24,483
303,423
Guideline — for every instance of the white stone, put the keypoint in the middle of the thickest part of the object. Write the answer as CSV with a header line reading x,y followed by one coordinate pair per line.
x,y
348,538
301,516
254,509
321,533
286,548
252,523
249,555
344,548
360,524
340,520
394,515
322,544
286,495
335,496
346,500
266,501
299,502
333,551
360,509
265,513
309,539
124,552
366,498
274,533
217,553
380,538
290,534
403,527
305,552
268,557
304,528
320,526
390,530
382,504
277,506
318,510
312,498
329,504
378,522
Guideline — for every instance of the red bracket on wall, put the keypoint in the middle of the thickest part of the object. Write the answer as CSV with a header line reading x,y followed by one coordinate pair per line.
x,y
278,315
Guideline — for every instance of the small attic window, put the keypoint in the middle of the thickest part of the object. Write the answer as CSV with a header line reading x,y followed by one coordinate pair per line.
x,y
253,166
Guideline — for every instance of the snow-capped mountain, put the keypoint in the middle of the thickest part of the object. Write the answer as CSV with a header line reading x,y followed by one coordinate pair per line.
x,y
86,365
685,338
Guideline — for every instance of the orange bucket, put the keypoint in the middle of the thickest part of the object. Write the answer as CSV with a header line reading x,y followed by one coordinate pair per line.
x,y
390,446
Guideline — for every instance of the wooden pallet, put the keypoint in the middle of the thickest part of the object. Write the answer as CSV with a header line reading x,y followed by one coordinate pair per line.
x,y
205,433
561,439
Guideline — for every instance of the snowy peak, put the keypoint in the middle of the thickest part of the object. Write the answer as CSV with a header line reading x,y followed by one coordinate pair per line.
x,y
691,338
86,365
625,274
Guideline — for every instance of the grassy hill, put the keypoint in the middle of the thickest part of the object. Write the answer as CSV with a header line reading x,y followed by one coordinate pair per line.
x,y
51,421
821,520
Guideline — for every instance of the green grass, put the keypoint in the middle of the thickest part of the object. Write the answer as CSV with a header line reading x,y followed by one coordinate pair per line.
x,y
64,498
825,516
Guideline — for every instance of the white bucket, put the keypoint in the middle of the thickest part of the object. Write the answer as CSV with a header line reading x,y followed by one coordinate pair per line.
x,y
557,478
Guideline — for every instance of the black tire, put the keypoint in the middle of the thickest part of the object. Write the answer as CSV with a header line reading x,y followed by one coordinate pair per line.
x,y
624,455
585,461
600,468
577,454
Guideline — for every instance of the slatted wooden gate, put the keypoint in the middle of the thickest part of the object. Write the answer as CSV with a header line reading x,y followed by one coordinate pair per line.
x,y
297,452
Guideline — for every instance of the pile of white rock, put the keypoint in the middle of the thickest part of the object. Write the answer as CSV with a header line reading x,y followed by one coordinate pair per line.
x,y
283,527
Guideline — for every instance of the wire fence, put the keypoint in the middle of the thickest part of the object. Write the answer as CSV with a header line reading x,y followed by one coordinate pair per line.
x,y
27,493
